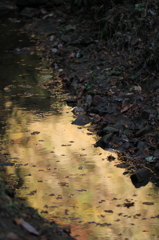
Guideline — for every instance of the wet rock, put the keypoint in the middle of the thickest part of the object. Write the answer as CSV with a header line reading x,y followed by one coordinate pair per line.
x,y
122,165
97,100
30,12
71,100
146,114
101,108
79,54
119,126
82,120
141,177
52,37
127,145
42,26
77,110
89,100
141,145
101,80
110,129
104,141
142,131
65,38
54,50
70,28
74,85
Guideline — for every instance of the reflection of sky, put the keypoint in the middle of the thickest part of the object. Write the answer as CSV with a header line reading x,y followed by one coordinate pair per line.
x,y
74,182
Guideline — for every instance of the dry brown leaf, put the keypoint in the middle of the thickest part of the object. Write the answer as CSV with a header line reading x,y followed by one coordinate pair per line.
x,y
18,221
126,107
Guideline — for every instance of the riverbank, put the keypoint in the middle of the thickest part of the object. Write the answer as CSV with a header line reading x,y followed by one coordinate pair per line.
x,y
104,85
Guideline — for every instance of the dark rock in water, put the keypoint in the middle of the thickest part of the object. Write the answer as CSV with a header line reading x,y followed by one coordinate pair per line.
x,y
104,141
82,120
141,177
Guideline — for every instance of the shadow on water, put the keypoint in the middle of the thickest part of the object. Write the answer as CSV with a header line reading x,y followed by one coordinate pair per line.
x,y
55,165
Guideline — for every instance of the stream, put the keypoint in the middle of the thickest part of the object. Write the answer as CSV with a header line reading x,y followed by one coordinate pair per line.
x,y
54,164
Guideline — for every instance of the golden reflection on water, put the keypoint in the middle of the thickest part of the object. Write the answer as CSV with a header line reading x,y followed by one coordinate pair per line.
x,y
73,183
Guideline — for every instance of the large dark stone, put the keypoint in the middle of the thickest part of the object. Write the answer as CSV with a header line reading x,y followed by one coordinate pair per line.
x,y
82,119
141,177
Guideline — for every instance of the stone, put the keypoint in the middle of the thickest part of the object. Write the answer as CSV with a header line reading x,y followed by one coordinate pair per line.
x,y
141,145
101,108
65,38
81,120
142,131
141,177
104,141
89,100
97,100
29,12
110,129
77,110
42,26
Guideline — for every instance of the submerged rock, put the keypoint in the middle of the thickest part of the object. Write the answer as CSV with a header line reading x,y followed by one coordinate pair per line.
x,y
104,141
82,120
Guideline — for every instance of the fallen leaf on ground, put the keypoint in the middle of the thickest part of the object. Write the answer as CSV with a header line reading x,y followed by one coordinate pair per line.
x,y
27,226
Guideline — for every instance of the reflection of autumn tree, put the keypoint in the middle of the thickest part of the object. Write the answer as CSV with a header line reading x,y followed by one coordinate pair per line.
x,y
74,180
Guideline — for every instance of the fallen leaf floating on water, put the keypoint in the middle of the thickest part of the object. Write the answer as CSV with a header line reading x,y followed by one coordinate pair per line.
x,y
27,226
35,132
148,203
